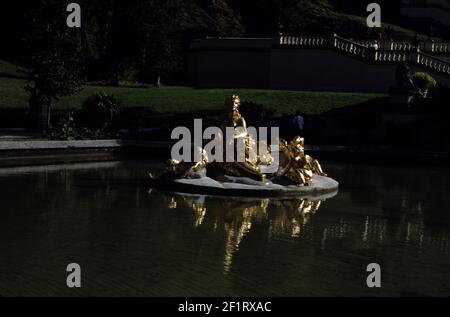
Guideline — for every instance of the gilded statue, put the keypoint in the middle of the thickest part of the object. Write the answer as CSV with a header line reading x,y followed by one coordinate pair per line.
x,y
294,165
250,167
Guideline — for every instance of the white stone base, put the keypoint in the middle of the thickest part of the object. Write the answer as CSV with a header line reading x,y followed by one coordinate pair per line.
x,y
242,186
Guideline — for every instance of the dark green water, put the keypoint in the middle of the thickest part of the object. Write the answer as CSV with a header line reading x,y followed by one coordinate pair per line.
x,y
132,242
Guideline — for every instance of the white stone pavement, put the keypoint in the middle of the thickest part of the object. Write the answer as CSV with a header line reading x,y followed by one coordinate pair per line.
x,y
77,144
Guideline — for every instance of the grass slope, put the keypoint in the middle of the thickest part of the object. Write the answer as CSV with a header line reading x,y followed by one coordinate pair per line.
x,y
170,99
10,70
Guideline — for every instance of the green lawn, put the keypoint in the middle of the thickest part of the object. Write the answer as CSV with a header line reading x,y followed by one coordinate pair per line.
x,y
185,99
10,70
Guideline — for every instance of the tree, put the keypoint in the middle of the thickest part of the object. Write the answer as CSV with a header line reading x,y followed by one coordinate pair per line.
x,y
53,69
166,28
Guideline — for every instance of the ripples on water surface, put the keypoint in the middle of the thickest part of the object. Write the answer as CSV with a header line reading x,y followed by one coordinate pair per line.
x,y
132,242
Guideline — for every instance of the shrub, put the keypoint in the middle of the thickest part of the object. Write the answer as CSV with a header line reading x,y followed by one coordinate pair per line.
x,y
99,110
423,82
65,129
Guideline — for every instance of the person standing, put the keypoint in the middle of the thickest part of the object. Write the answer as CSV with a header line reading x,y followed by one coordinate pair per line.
x,y
299,123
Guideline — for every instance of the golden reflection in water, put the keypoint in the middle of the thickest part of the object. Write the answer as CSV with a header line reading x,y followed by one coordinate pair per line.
x,y
239,226
172,203
235,216
292,216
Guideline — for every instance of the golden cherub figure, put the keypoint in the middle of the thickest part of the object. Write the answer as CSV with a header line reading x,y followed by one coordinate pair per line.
x,y
295,164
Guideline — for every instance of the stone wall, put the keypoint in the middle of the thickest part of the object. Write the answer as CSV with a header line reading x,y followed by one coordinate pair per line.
x,y
262,63
320,69
230,68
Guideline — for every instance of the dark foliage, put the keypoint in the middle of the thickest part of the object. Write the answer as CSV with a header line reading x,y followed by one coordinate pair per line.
x,y
99,111
52,59
254,113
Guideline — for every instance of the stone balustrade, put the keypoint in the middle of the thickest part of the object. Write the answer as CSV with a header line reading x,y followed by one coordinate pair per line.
x,y
350,47
387,52
302,40
432,62
365,43
440,48
391,56
399,46
429,46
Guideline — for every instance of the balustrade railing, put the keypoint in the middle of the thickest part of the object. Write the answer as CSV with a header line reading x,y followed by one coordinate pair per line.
x,y
440,48
350,47
302,40
386,52
399,46
428,46
432,62
391,56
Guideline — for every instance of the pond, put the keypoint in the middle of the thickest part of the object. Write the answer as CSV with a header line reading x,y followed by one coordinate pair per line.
x,y
132,241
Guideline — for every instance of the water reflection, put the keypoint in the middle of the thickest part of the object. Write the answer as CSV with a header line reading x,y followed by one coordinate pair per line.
x,y
236,216
159,244
301,219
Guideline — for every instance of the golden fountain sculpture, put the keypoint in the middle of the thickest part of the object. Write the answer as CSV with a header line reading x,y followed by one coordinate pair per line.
x,y
294,166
